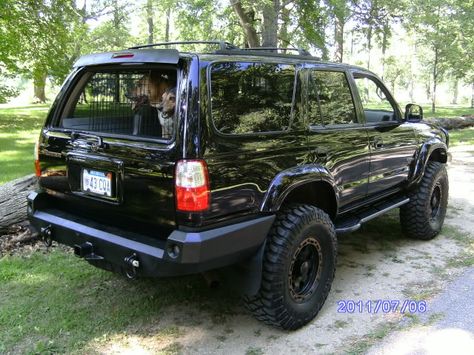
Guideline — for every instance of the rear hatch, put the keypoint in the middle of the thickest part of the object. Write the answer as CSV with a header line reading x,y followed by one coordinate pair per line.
x,y
109,146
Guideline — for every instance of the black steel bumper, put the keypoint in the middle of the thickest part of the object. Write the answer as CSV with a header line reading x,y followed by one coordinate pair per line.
x,y
181,253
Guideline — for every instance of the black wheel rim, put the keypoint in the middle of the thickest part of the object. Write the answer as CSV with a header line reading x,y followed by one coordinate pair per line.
x,y
305,270
435,201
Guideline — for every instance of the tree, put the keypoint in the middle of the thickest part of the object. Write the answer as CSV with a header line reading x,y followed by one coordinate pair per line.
x,y
436,24
267,22
39,35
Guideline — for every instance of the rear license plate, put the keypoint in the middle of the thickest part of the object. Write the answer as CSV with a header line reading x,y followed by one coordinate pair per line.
x,y
97,182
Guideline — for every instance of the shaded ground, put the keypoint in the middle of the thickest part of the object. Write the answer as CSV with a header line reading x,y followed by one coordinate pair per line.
x,y
71,307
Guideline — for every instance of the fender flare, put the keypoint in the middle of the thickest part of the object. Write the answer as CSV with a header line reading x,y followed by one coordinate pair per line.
x,y
288,180
422,157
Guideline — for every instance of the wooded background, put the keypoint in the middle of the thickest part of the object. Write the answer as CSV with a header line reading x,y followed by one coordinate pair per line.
x,y
414,45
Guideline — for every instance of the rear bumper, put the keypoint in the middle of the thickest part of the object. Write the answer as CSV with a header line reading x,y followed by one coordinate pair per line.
x,y
181,253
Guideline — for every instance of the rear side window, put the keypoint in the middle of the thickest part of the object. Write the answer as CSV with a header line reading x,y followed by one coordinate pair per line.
x,y
124,102
251,97
329,99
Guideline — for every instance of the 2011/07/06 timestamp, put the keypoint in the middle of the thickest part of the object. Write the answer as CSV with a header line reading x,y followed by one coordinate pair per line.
x,y
381,306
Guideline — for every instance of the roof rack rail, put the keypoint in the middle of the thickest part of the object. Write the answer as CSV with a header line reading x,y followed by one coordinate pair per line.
x,y
301,51
222,44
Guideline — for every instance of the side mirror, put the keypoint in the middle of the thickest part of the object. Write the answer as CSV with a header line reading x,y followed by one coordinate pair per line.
x,y
413,113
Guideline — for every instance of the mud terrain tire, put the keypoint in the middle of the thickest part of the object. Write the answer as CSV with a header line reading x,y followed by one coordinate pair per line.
x,y
423,217
298,268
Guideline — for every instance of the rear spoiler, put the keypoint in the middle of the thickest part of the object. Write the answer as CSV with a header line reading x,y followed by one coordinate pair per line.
x,y
168,56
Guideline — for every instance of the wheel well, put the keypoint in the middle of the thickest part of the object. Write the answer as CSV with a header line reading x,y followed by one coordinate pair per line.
x,y
439,155
319,194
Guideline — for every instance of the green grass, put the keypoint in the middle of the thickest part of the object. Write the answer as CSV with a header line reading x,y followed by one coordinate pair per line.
x,y
54,302
462,136
19,130
447,111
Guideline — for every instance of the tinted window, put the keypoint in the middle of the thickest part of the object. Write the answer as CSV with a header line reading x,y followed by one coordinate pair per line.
x,y
127,102
329,99
251,97
376,106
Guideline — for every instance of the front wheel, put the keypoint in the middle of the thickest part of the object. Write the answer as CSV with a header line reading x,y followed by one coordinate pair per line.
x,y
423,217
298,268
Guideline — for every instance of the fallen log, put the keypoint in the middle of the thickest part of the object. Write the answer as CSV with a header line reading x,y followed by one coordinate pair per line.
x,y
13,201
454,122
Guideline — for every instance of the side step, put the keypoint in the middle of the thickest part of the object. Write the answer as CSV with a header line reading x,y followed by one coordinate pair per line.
x,y
353,222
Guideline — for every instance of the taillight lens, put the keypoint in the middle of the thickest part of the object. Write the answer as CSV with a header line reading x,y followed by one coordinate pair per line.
x,y
37,162
192,186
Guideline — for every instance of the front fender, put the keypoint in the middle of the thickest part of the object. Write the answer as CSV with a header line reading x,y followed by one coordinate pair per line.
x,y
422,157
287,180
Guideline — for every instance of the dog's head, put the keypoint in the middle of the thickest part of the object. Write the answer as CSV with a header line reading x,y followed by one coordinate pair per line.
x,y
168,102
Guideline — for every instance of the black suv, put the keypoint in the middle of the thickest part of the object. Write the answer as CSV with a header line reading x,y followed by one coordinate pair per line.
x,y
159,162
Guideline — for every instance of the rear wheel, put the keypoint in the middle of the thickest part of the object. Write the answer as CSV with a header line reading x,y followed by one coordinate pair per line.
x,y
298,268
423,217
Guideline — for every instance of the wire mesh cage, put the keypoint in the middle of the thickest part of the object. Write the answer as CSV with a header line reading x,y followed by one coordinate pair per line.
x,y
123,102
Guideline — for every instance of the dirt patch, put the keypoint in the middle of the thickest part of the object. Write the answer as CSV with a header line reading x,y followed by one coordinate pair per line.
x,y
19,240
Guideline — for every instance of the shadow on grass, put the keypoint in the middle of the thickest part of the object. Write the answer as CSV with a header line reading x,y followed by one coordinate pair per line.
x,y
57,299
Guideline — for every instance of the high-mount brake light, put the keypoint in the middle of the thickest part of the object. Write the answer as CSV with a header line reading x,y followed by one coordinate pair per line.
x,y
192,186
37,162
122,55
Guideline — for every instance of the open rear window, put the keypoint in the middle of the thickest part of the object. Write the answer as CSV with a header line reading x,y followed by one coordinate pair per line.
x,y
124,102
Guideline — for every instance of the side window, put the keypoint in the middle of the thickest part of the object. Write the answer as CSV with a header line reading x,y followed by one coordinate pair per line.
x,y
329,99
251,97
377,108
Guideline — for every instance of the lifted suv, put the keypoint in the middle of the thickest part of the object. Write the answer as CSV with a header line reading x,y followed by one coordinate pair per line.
x,y
158,162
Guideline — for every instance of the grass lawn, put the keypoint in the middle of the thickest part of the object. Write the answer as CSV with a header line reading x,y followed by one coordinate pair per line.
x,y
19,130
447,111
54,302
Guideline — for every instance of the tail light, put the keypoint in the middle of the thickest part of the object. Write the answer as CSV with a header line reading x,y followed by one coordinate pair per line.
x,y
37,162
192,186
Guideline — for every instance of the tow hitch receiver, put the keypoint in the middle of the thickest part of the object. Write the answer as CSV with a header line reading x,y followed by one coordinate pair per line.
x,y
86,251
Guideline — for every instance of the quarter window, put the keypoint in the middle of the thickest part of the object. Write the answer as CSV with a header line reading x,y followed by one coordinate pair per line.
x,y
329,99
251,97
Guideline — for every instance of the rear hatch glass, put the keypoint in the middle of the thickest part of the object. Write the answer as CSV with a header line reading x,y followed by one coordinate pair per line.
x,y
138,102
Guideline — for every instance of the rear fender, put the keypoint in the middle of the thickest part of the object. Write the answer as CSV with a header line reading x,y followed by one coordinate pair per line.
x,y
288,180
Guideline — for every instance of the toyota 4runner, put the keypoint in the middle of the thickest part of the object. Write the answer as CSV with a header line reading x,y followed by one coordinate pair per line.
x,y
159,162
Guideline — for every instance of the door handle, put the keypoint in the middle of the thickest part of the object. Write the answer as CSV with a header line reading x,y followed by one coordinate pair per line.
x,y
377,143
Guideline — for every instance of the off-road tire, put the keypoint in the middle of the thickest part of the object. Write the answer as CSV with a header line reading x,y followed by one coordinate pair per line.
x,y
299,231
423,217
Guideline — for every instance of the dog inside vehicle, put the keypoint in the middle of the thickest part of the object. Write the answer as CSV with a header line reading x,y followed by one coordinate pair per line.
x,y
154,95
166,112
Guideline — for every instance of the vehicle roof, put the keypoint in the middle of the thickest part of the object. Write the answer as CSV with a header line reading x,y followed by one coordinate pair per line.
x,y
171,56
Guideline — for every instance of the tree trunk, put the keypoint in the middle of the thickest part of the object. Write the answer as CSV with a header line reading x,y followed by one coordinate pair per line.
x,y
369,45
13,201
246,23
270,24
472,95
454,101
39,83
167,27
435,81
149,19
286,20
339,38
384,48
